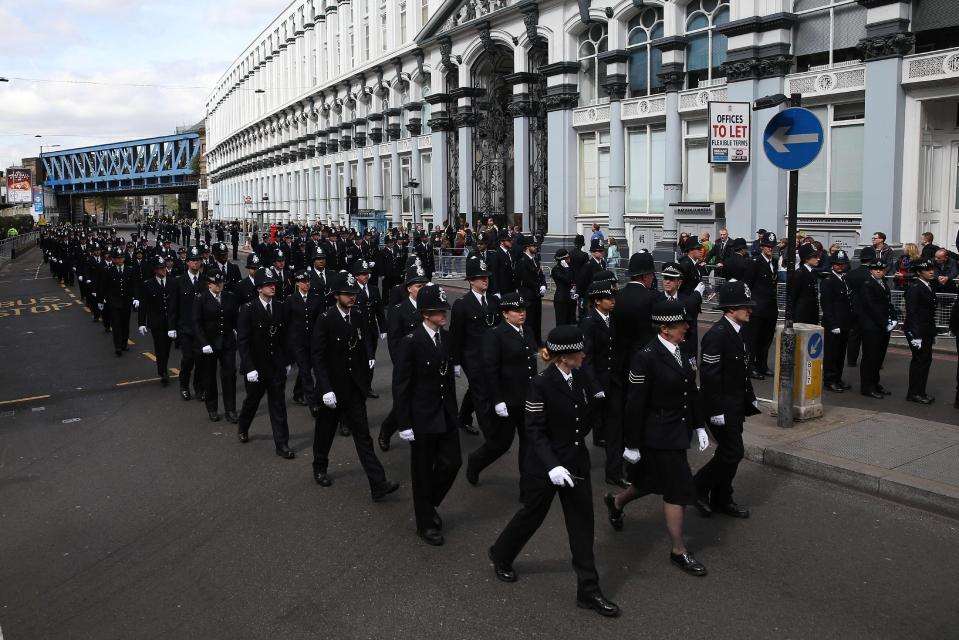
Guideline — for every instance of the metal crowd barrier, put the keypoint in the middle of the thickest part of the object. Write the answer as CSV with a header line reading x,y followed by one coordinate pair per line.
x,y
10,248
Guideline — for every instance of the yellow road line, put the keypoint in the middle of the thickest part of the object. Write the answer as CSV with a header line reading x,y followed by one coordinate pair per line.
x,y
86,309
24,399
150,356
132,382
174,371
130,341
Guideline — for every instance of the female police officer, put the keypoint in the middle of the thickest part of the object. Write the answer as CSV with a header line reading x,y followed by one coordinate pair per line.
x,y
663,406
557,461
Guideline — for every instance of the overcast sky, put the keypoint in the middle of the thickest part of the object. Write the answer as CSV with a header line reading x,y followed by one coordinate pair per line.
x,y
168,42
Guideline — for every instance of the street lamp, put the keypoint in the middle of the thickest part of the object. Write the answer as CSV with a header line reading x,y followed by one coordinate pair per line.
x,y
413,184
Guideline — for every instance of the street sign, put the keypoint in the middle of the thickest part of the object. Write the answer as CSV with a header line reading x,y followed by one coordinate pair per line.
x,y
729,132
793,138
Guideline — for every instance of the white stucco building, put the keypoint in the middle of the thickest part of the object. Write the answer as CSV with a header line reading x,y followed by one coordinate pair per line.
x,y
558,114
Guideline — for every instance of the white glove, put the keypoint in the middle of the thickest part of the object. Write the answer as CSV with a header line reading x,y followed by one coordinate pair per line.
x,y
497,295
564,263
253,376
574,296
631,456
599,394
100,306
890,325
917,343
74,268
329,399
207,349
372,264
407,434
142,331
136,304
93,294
382,336
80,278
289,368
756,404
700,288
372,363
718,421
171,334
500,410
836,331
560,477
457,371
703,439
542,291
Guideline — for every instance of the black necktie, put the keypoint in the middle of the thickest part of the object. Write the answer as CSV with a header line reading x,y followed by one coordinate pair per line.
x,y
436,338
484,305
569,381
269,310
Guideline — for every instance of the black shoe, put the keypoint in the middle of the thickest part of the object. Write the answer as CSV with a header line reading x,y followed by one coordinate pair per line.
x,y
299,400
622,483
371,395
731,509
214,416
835,387
921,399
185,393
437,521
126,347
285,452
323,479
345,431
615,515
702,505
165,381
755,375
504,571
599,604
873,394
472,475
431,536
767,372
199,395
845,385
388,487
383,441
688,563
118,352
232,417
470,429
243,436
881,389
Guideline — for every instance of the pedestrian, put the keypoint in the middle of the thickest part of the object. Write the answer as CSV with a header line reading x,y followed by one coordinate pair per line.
x,y
302,308
836,299
674,279
877,318
805,290
531,284
557,462
264,362
856,278
664,408
155,296
920,328
612,254
374,312
728,399
180,323
424,397
117,290
214,325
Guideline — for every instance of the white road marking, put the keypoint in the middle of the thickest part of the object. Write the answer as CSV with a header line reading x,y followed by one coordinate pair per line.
x,y
69,420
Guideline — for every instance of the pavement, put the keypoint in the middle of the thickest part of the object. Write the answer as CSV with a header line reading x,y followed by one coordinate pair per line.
x,y
124,513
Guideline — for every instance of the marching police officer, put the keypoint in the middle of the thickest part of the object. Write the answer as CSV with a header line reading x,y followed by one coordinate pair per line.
x,y
634,308
303,306
246,289
502,267
877,318
343,364
180,322
856,278
727,396
673,285
588,270
321,277
117,289
424,395
264,361
155,295
531,284
221,263
564,299
557,462
836,299
805,291
688,265
214,326
763,278
920,327
371,304
283,275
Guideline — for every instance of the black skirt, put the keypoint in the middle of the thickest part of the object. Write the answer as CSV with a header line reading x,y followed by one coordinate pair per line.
x,y
664,472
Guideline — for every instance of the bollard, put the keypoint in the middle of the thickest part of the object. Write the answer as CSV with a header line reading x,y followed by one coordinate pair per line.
x,y
807,371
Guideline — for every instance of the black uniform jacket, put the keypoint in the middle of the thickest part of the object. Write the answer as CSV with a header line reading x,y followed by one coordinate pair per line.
x,y
116,287
231,274
586,273
874,308
762,284
503,279
424,389
402,320
563,280
632,317
340,353
805,296
662,400
370,302
920,312
837,303
245,291
301,319
509,361
154,304
468,324
529,277
557,422
725,386
602,361
181,304
214,323
692,276
262,343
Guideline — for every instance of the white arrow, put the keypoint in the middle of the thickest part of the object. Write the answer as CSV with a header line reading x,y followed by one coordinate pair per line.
x,y
779,140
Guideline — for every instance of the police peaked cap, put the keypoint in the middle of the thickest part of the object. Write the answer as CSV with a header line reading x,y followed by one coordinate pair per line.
x,y
669,312
317,253
253,261
432,298
562,254
476,267
734,294
640,264
361,267
301,276
691,243
922,265
672,270
566,338
264,277
807,251
599,290
215,276
512,301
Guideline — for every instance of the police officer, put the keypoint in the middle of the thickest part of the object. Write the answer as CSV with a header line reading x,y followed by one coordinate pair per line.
x,y
805,291
371,304
117,289
587,272
221,263
557,462
920,328
303,306
876,317
763,280
664,408
264,361
235,237
283,275
856,278
214,325
727,396
836,300
343,365
155,295
688,265
564,299
424,396
246,289
531,284
180,322
673,285
634,308
321,277
472,316
502,267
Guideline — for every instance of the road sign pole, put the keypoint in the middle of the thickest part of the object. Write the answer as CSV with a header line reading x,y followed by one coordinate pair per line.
x,y
787,343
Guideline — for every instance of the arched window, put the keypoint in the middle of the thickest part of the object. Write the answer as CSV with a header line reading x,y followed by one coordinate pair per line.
x,y
592,74
706,49
645,61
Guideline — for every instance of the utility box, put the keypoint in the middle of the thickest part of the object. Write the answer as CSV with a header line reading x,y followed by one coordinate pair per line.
x,y
807,377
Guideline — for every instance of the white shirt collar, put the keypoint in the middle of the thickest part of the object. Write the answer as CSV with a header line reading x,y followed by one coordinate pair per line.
x,y
518,327
674,349
343,314
413,302
264,302
430,332
735,324
566,376
808,268
602,315
479,296
926,282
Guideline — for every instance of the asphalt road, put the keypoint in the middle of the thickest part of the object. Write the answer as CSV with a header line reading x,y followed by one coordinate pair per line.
x,y
124,513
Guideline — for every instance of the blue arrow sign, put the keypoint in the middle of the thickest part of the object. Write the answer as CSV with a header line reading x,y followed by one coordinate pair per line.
x,y
793,138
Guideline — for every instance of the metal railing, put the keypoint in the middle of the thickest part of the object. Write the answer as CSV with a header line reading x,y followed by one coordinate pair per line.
x,y
10,248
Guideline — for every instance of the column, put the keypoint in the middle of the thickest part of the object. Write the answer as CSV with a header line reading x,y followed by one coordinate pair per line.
x,y
303,205
414,126
441,125
616,84
396,186
465,120
562,96
324,205
334,195
521,108
361,199
375,121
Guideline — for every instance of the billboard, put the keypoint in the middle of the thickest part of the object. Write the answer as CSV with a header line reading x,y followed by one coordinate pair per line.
x,y
38,200
19,186
729,131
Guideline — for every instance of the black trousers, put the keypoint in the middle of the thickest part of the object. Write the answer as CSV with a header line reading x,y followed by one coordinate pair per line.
x,y
919,367
874,344
611,408
852,347
577,502
120,325
715,479
764,330
435,460
499,435
565,312
304,377
350,408
161,349
188,354
834,355
476,399
234,251
534,317
275,390
226,358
